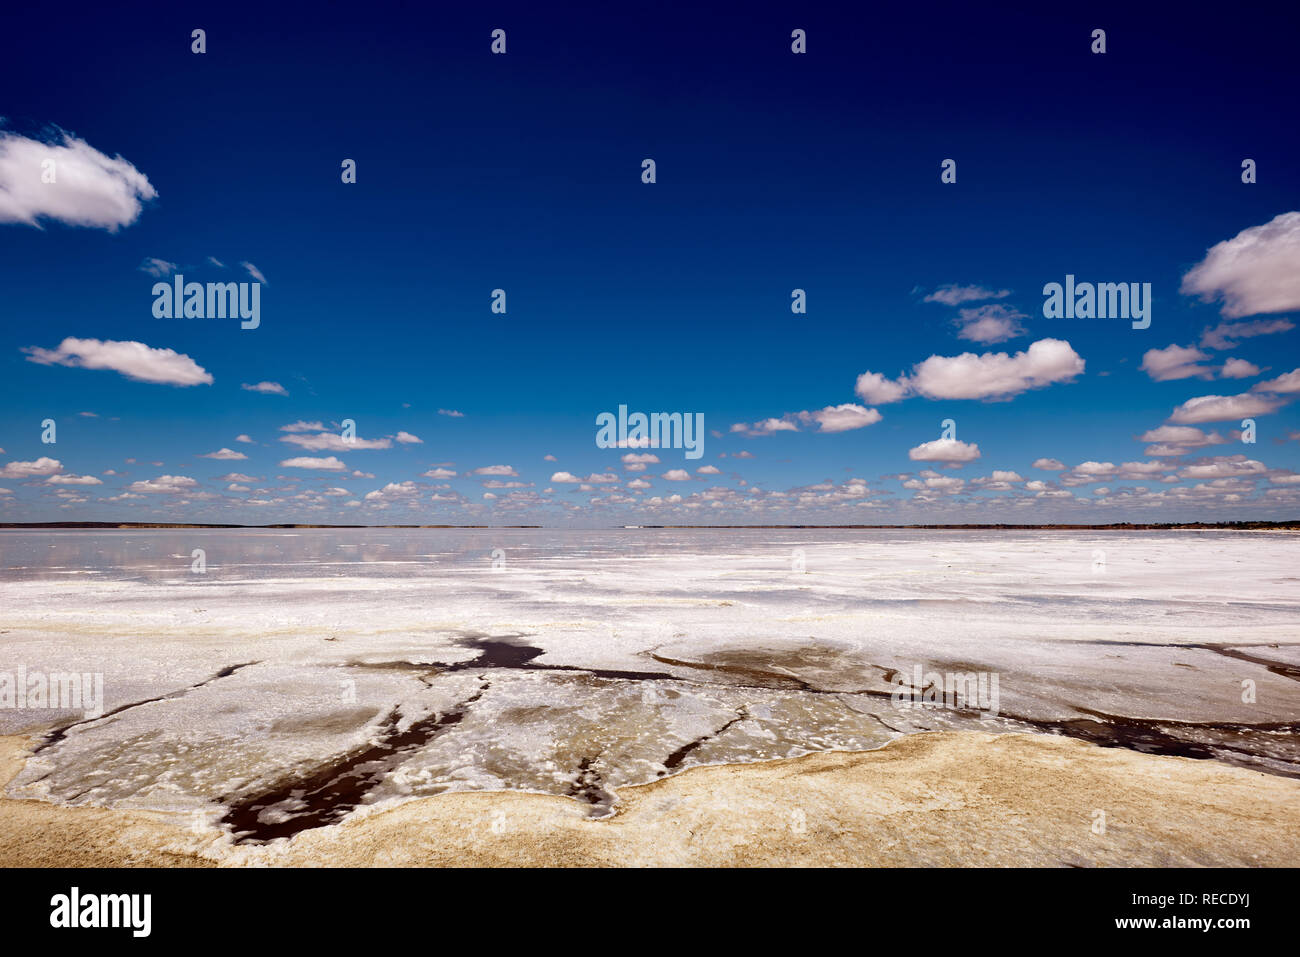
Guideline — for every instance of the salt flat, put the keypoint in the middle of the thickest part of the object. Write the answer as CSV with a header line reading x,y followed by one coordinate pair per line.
x,y
308,673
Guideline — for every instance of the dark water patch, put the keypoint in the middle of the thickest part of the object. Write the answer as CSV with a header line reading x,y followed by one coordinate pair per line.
x,y
589,787
329,793
1276,667
58,734
508,652
1272,747
675,759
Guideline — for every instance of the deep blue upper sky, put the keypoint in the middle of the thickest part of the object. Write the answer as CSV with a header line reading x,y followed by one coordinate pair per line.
x,y
775,171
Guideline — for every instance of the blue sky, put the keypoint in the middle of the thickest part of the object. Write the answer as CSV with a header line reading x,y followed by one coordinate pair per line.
x,y
774,172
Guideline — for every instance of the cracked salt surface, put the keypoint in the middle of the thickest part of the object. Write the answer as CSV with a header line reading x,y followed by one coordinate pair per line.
x,y
382,664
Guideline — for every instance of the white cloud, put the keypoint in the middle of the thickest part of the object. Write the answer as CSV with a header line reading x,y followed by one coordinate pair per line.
x,y
643,458
954,295
495,470
440,473
989,324
1221,408
42,466
1175,362
565,477
997,374
224,453
68,479
452,412
243,438
333,442
1227,334
638,483
876,389
833,418
164,485
1289,382
135,360
406,438
840,418
267,388
1238,369
945,450
157,267
89,188
391,490
677,475
766,427
1257,271
301,426
1049,465
254,272
329,464
708,470
1173,440
1223,466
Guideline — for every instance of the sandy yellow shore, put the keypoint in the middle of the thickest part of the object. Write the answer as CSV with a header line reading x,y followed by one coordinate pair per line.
x,y
943,799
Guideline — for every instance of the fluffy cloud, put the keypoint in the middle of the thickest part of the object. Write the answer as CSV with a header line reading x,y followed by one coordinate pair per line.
x,y
954,295
406,438
565,478
225,454
1178,440
677,475
945,450
495,470
640,458
1049,465
876,389
328,464
1238,369
1221,408
69,479
1290,382
333,442
840,418
833,418
1175,362
266,388
89,188
164,485
135,360
1257,271
766,427
301,426
1223,466
390,491
1000,481
42,466
989,324
440,473
996,375
708,470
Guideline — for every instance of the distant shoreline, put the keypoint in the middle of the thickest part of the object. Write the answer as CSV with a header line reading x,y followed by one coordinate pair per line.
x,y
1293,525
